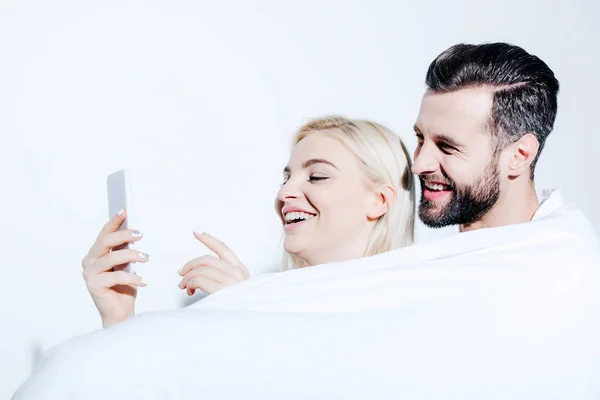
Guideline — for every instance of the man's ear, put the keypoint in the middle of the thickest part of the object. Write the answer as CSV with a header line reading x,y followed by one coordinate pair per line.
x,y
383,198
523,152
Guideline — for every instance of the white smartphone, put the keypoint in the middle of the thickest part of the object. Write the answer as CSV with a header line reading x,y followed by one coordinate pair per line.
x,y
119,197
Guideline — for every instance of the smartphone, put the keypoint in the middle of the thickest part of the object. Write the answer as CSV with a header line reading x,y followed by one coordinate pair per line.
x,y
119,197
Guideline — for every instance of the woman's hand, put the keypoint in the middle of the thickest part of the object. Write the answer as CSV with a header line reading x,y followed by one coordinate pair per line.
x,y
113,292
209,273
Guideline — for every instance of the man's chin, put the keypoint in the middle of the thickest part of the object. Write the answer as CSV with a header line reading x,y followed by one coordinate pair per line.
x,y
435,224
434,217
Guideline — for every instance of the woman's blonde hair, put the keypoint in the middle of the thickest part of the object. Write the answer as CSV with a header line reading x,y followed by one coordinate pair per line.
x,y
386,162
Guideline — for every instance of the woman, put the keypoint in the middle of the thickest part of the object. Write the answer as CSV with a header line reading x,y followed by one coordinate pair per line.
x,y
348,192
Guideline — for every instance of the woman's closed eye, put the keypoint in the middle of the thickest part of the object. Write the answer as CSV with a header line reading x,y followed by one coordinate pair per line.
x,y
313,178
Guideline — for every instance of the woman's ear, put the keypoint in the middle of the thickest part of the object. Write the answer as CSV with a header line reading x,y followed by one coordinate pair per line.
x,y
383,198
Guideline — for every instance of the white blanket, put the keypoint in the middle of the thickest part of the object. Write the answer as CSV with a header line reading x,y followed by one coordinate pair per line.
x,y
503,313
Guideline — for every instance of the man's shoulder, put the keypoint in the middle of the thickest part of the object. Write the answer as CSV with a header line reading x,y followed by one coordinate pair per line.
x,y
551,200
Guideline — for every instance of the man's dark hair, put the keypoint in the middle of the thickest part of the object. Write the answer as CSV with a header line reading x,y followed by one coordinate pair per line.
x,y
525,89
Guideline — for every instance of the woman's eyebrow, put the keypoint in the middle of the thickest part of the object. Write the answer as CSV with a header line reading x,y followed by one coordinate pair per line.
x,y
312,161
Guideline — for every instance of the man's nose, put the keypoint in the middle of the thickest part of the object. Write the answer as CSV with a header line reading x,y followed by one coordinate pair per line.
x,y
425,160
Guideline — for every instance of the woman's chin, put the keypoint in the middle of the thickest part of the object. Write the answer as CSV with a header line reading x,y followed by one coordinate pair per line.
x,y
292,250
294,247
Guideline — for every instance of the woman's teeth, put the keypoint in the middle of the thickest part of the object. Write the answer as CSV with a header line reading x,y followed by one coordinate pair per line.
x,y
296,216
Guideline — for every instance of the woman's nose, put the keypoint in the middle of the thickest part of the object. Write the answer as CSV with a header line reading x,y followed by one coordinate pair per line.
x,y
289,190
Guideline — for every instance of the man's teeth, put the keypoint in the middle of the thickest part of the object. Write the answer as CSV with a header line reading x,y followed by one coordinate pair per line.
x,y
435,186
297,216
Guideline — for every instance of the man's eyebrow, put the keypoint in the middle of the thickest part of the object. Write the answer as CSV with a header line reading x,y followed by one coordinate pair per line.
x,y
312,161
440,137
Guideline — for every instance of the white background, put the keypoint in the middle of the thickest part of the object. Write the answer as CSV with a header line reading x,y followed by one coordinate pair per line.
x,y
200,100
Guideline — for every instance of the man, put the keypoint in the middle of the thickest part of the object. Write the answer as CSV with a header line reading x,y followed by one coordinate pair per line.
x,y
482,125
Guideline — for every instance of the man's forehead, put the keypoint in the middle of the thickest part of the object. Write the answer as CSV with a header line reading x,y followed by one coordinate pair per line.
x,y
459,113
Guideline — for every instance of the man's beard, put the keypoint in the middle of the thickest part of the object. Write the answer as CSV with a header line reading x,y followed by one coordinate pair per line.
x,y
468,203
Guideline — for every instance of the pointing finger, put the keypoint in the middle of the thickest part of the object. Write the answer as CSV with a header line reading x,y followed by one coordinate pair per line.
x,y
218,247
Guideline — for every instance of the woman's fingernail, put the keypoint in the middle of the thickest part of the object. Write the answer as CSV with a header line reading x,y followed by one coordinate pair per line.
x,y
136,233
179,270
198,232
144,255
120,212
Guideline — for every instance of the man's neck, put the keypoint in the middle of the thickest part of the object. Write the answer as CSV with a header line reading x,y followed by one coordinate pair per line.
x,y
516,205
